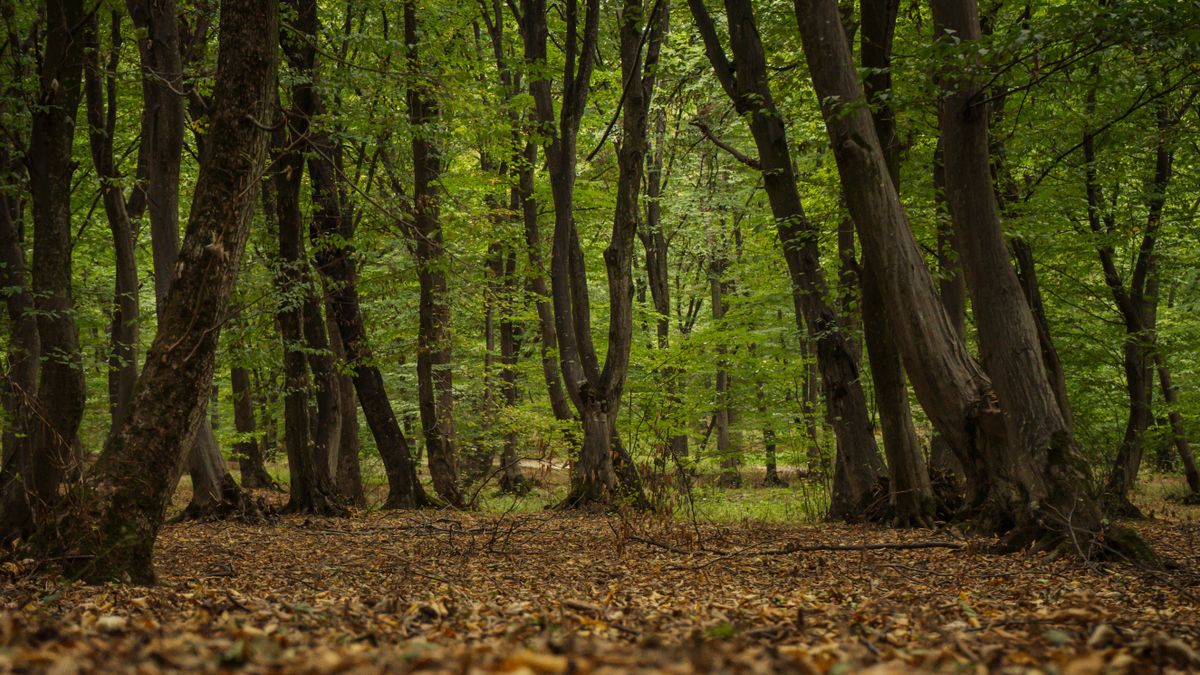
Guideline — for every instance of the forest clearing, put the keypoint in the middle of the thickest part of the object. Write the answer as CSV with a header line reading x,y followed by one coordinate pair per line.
x,y
569,336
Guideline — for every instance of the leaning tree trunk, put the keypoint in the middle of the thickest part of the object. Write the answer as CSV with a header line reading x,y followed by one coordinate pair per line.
x,y
1034,489
745,80
952,290
909,492
113,523
332,235
159,45
1178,433
435,380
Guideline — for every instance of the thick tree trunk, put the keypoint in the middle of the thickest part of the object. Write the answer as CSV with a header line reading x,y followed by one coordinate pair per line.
x,y
435,379
61,390
130,486
102,122
1024,460
745,81
250,459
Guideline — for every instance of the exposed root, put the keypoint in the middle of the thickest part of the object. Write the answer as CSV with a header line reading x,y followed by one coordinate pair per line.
x,y
235,504
1119,506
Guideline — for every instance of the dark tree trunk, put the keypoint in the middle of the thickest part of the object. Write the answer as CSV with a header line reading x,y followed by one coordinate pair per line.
x,y
250,459
332,234
112,530
348,472
745,81
102,122
1178,432
910,494
435,380
595,392
20,382
1030,487
61,391
952,290
311,486
511,478
1027,275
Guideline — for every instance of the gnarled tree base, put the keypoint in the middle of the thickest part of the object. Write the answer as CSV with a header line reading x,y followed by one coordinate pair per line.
x,y
235,504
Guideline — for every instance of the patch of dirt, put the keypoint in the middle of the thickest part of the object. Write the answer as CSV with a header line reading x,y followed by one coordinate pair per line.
x,y
556,593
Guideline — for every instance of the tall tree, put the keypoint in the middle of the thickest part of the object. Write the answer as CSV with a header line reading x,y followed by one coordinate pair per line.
x,y
112,526
744,79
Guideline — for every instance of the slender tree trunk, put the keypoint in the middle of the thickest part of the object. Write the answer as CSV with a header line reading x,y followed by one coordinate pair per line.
x,y
910,494
112,532
730,475
1027,275
435,380
744,79
331,235
1178,433
952,290
348,472
250,459
102,122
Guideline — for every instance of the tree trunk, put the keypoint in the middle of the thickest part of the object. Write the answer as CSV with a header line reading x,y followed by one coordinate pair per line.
x,y
730,476
112,530
1027,275
348,473
435,380
952,290
61,390
331,235
250,459
1178,432
745,81
1031,487
910,494
102,122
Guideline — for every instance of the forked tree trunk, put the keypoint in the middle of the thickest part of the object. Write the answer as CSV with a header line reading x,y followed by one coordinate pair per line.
x,y
112,527
332,235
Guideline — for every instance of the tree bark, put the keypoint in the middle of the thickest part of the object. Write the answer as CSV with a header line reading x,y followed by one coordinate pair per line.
x,y
61,390
1022,463
112,530
1178,433
909,492
348,472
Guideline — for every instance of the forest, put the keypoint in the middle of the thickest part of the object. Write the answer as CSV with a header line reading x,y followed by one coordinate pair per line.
x,y
549,336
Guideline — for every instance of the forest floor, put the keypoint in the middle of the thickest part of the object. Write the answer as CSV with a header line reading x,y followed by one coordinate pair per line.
x,y
550,592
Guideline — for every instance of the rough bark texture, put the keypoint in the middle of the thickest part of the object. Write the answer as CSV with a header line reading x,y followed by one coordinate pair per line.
x,y
114,521
744,79
435,378
1029,485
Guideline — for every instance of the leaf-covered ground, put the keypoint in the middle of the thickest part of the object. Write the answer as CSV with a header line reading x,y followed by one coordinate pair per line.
x,y
554,593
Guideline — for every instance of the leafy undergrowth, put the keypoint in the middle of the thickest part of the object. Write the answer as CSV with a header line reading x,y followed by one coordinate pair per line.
x,y
554,593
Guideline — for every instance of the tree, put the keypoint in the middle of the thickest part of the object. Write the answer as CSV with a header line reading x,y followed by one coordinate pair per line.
x,y
112,520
